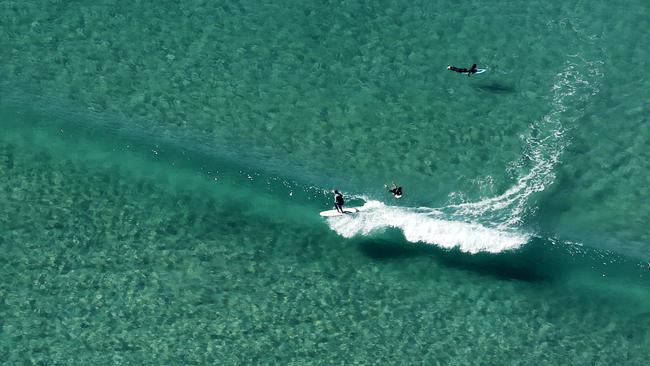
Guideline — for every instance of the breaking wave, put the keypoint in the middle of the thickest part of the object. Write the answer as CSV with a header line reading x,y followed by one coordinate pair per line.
x,y
493,224
427,226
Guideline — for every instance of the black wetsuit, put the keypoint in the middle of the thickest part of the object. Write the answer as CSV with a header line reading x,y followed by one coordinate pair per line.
x,y
454,68
338,202
397,191
470,71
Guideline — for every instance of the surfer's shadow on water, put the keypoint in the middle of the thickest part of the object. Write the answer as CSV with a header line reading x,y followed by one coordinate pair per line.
x,y
512,265
494,87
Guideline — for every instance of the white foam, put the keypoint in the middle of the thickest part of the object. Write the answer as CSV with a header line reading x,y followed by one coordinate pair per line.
x,y
491,224
544,145
427,226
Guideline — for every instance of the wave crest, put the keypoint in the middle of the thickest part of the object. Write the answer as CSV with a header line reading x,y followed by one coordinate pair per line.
x,y
427,226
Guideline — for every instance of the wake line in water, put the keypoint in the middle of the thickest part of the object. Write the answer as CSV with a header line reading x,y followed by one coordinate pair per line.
x,y
492,224
57,115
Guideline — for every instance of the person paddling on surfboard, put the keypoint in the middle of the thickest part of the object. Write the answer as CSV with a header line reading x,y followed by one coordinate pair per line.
x,y
470,71
395,190
338,201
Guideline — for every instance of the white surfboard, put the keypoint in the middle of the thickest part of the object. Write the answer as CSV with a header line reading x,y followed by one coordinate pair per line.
x,y
346,210
478,71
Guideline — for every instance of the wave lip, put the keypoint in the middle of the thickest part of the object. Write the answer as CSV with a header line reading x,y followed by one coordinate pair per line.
x,y
426,227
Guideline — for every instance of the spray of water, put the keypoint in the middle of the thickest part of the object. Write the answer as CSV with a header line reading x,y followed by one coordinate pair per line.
x,y
492,224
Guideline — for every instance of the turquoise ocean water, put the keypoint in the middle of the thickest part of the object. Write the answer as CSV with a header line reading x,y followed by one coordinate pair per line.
x,y
162,166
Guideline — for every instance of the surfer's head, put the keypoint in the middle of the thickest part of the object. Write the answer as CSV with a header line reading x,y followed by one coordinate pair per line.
x,y
335,191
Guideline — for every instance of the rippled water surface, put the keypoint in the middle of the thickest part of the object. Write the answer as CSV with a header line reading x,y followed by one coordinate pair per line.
x,y
162,166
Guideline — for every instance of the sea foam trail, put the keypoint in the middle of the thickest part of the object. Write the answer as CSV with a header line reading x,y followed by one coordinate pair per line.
x,y
492,224
544,144
427,226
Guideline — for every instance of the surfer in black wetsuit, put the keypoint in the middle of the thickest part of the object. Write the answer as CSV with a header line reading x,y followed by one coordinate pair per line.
x,y
338,201
395,190
470,71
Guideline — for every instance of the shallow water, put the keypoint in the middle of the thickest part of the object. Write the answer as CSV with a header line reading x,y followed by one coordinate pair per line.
x,y
162,166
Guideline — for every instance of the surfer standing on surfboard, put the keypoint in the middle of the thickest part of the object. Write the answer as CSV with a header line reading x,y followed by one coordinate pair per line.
x,y
338,201
463,70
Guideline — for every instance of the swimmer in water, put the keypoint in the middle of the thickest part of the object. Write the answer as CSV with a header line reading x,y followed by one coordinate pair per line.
x,y
470,71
